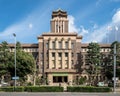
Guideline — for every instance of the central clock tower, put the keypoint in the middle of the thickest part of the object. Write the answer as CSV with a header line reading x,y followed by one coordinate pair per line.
x,y
59,22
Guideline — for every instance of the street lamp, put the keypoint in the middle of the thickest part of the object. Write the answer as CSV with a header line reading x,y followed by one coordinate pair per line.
x,y
15,61
114,77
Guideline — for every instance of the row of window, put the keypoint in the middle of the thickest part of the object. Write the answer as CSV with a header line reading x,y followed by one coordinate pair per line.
x,y
60,45
59,54
101,50
26,49
59,64
79,56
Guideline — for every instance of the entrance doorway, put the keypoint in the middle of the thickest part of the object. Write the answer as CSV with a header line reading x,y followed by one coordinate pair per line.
x,y
60,79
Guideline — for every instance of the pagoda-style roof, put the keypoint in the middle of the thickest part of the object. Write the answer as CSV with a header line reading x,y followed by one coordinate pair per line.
x,y
59,13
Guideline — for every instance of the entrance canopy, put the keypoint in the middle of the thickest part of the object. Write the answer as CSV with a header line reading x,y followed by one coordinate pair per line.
x,y
60,74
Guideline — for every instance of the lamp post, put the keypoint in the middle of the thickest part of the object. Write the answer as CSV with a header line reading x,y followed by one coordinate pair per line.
x,y
114,77
15,61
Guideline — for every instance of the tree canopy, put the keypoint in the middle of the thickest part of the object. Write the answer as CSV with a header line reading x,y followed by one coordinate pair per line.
x,y
4,58
25,63
93,53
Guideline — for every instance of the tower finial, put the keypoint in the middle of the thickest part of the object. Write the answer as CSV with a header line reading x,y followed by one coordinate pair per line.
x,y
59,9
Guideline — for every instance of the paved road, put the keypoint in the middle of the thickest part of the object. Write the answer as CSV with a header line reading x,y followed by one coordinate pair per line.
x,y
57,94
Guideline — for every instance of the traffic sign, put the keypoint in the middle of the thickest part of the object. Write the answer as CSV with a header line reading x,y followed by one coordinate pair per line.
x,y
15,78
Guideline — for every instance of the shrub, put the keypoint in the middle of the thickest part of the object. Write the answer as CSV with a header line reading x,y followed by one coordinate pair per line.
x,y
43,89
82,80
88,89
11,89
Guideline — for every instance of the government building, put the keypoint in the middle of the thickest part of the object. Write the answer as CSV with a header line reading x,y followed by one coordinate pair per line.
x,y
60,55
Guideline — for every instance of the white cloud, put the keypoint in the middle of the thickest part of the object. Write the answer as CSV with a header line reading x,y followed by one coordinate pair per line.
x,y
105,34
72,26
116,17
83,31
98,33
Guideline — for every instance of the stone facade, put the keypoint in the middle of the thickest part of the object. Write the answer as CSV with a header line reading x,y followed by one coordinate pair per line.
x,y
59,50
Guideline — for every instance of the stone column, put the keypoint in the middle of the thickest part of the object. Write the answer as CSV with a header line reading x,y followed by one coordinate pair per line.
x,y
50,56
63,27
58,26
56,43
50,43
55,26
56,60
69,43
63,43
69,60
63,60
70,79
50,79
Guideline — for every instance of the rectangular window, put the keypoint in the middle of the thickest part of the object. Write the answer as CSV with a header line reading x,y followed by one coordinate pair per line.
x,y
47,54
72,64
72,45
66,45
53,54
53,64
53,45
66,64
66,54
47,45
60,64
72,54
59,54
60,44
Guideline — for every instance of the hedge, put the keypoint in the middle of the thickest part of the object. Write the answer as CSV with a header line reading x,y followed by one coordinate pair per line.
x,y
88,89
11,89
43,89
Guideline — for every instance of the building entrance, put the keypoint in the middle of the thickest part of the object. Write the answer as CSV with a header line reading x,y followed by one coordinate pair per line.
x,y
60,79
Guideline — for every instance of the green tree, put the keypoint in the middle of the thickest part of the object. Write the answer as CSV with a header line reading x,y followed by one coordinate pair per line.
x,y
4,59
109,69
25,63
93,58
82,80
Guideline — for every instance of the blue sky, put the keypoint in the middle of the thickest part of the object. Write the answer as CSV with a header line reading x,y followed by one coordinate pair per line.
x,y
95,20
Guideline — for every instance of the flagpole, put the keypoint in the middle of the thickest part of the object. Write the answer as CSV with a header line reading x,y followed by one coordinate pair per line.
x,y
114,87
109,28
